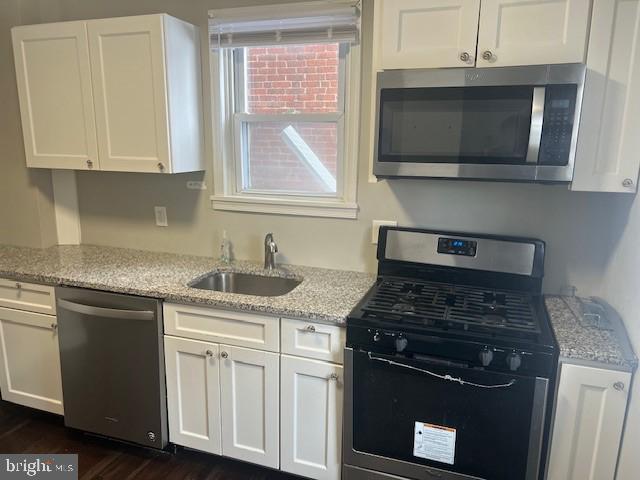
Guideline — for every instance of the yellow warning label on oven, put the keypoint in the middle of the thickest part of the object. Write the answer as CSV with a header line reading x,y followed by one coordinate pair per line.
x,y
434,442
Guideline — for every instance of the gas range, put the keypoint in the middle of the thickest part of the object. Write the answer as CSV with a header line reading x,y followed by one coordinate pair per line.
x,y
451,346
495,321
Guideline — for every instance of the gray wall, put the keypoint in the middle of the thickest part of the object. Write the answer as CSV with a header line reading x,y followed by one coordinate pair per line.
x,y
26,208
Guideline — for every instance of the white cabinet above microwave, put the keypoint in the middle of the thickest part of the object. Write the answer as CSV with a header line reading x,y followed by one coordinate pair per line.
x,y
118,94
487,33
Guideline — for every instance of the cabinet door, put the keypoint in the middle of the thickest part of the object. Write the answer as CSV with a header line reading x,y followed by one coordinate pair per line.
x,y
590,412
193,393
249,382
428,34
128,72
311,429
608,143
532,32
30,360
56,101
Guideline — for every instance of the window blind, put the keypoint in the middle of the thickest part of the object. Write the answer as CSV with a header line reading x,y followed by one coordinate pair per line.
x,y
293,23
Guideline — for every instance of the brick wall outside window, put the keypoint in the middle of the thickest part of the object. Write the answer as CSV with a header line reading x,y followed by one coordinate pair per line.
x,y
291,79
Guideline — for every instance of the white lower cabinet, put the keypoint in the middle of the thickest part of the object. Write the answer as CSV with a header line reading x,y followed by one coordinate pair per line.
x,y
311,424
250,410
590,411
30,360
276,407
193,393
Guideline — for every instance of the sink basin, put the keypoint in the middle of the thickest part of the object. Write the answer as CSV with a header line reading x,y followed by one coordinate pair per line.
x,y
246,284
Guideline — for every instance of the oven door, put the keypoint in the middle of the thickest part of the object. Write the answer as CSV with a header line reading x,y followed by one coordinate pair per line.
x,y
412,419
516,123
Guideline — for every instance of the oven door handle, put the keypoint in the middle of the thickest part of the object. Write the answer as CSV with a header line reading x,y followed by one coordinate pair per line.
x,y
446,377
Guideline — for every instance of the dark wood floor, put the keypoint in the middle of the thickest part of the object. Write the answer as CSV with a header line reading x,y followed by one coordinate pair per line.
x,y
23,430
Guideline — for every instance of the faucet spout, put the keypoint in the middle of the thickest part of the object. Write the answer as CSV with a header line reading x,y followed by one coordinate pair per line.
x,y
270,250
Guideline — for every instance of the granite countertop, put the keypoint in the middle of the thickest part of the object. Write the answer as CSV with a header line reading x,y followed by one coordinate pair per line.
x,y
324,295
604,343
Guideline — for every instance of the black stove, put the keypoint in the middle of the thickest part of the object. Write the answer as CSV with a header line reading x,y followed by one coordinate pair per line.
x,y
452,338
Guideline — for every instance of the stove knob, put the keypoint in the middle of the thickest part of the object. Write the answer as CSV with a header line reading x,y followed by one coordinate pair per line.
x,y
377,336
401,343
485,356
514,361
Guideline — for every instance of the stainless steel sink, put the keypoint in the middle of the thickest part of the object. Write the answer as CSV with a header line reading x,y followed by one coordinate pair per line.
x,y
246,284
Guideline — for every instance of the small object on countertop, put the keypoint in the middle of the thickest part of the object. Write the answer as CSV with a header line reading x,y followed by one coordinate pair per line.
x,y
225,249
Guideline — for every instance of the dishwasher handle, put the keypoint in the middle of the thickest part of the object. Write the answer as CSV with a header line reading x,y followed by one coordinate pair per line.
x,y
106,312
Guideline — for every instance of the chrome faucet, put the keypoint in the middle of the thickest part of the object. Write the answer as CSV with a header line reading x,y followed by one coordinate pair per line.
x,y
270,250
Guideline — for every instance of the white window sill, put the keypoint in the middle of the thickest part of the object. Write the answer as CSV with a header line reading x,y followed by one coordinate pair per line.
x,y
279,206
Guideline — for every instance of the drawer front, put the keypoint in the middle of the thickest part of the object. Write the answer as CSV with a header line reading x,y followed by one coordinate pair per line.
x,y
313,340
27,296
221,326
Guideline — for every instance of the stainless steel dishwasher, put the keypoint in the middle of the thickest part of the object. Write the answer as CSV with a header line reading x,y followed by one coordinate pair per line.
x,y
112,360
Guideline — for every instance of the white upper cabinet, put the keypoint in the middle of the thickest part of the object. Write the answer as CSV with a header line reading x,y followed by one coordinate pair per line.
x,y
532,32
118,94
56,102
590,411
428,34
608,142
487,33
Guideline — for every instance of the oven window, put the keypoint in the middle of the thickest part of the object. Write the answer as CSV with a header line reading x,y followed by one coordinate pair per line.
x,y
478,125
492,426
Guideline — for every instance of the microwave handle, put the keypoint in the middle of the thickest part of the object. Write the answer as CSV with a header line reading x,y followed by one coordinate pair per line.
x,y
537,117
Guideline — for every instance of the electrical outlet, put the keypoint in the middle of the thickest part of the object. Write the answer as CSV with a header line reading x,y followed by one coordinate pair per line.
x,y
196,185
375,228
161,216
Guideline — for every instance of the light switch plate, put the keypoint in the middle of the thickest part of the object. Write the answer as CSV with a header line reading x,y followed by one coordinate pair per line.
x,y
161,216
375,228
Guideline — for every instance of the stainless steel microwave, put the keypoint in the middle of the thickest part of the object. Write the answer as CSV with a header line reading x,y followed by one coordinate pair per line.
x,y
507,123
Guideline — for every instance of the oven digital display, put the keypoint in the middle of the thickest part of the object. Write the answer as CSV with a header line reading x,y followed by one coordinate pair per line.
x,y
457,246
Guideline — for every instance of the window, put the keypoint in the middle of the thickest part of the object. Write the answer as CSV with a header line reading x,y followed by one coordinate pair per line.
x,y
287,112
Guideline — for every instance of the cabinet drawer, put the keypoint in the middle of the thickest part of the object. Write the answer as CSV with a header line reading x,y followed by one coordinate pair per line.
x,y
313,340
27,296
213,325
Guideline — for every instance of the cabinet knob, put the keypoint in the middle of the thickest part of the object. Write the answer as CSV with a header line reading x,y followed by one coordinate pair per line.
x,y
54,326
224,355
465,57
310,328
89,163
618,386
161,166
627,183
18,285
487,55
209,353
333,376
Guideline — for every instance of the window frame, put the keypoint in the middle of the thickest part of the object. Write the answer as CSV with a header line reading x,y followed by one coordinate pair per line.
x,y
227,143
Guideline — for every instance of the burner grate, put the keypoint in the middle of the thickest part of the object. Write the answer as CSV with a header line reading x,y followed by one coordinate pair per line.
x,y
454,307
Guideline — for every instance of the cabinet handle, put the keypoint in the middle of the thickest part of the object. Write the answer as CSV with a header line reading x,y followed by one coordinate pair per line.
x,y
618,386
89,163
627,183
209,353
161,166
224,355
18,285
465,57
333,376
310,329
487,55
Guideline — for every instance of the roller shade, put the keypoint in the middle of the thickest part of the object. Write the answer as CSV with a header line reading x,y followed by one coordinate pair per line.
x,y
292,23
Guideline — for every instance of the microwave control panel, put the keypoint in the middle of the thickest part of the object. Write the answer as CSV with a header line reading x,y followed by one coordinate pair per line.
x,y
557,126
